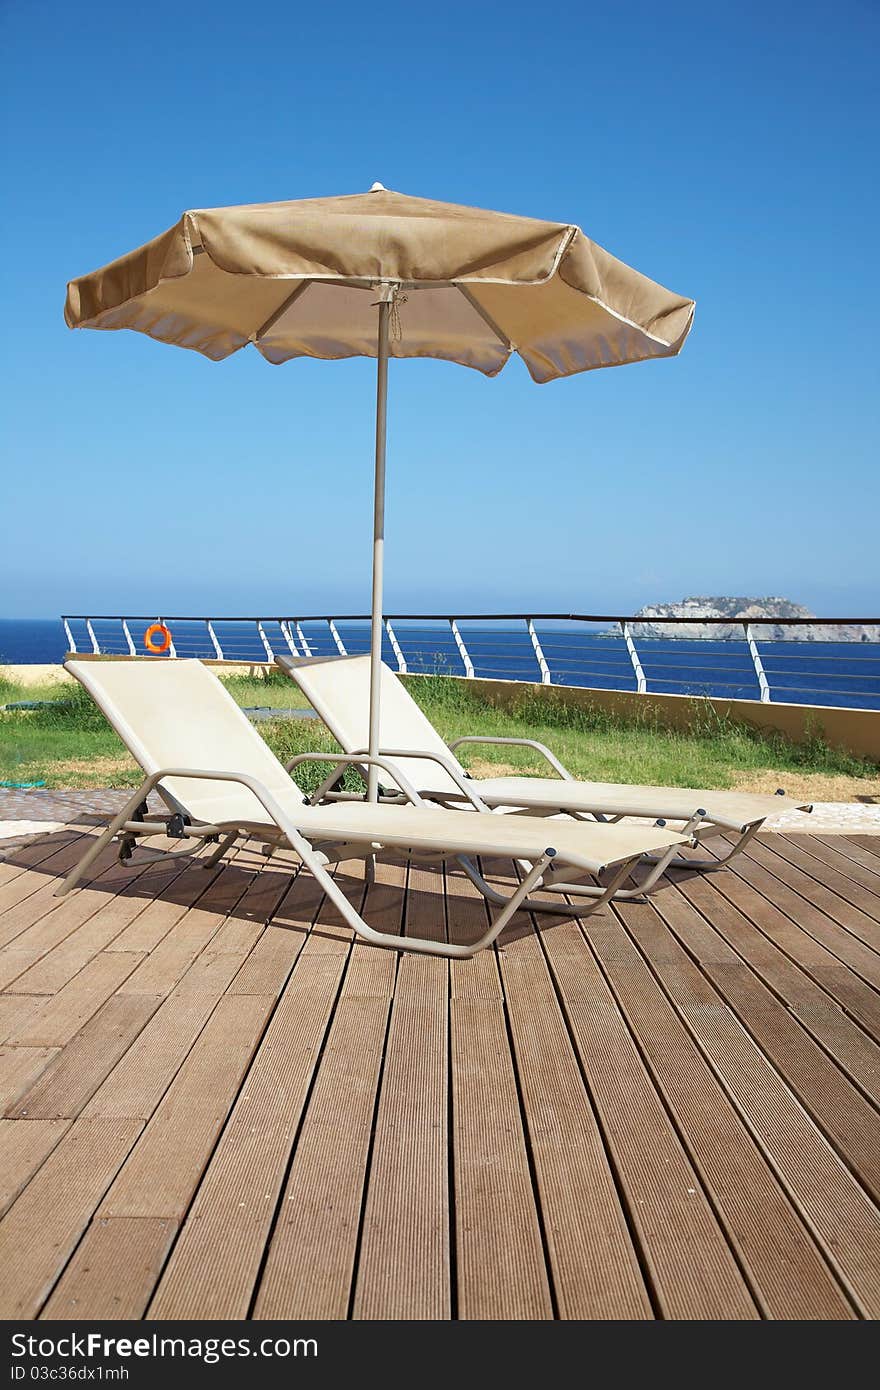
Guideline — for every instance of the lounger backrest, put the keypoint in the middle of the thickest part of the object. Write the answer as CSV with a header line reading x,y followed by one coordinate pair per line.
x,y
339,689
175,713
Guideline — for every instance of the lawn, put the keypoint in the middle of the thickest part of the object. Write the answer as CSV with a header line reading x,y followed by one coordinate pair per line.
x,y
66,742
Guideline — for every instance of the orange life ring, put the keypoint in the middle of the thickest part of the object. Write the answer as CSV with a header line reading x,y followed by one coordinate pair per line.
x,y
161,631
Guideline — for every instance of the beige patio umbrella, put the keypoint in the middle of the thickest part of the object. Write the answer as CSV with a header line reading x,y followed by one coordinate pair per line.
x,y
381,274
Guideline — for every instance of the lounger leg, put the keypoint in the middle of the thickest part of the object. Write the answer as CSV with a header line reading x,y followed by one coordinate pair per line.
x,y
408,943
660,863
103,840
596,897
216,855
711,865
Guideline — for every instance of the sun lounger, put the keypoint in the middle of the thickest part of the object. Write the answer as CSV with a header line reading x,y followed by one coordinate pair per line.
x,y
338,689
219,780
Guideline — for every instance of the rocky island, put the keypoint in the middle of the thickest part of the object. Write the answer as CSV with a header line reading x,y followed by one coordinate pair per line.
x,y
767,616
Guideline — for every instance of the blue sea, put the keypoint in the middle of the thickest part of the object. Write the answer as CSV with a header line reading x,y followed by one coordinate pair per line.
x,y
812,673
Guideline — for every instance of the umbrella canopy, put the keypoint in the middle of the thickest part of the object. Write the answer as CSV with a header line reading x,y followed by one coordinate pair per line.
x,y
306,279
296,280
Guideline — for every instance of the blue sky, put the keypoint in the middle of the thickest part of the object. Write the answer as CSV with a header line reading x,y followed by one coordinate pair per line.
x,y
727,151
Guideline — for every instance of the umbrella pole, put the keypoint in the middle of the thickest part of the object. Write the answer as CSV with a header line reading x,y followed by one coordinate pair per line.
x,y
378,546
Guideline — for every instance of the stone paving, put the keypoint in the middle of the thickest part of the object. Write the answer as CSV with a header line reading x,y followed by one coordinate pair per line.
x,y
38,811
831,817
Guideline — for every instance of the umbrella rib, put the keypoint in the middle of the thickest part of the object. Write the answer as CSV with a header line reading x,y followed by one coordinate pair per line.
x,y
285,304
486,317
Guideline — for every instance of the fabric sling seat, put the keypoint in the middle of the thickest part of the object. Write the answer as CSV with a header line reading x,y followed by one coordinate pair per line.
x,y
220,781
338,689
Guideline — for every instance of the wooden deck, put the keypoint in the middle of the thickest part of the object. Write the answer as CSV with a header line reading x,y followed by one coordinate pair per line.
x,y
216,1105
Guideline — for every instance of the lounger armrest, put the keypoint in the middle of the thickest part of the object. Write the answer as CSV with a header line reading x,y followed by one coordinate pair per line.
x,y
520,742
344,760
449,765
264,796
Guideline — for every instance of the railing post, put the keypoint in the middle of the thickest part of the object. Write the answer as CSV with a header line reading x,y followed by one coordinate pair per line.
x,y
641,683
270,655
92,638
303,640
218,650
539,654
132,650
395,647
71,643
288,637
763,683
340,645
462,650
172,650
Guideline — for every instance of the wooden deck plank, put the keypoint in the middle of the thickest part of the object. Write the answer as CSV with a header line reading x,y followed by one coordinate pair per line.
x,y
313,1248
811,915
504,1138
137,1080
19,1069
114,1269
311,1257
849,1045
195,888
183,940
168,898
764,1227
847,852
477,978
268,965
822,861
825,1190
501,1268
266,968
72,1075
16,859
871,843
839,1109
15,1010
189,1117
692,1269
235,1204
682,1247
593,1260
41,878
172,957
24,1147
50,927
855,928
118,900
223,955
43,913
404,1267
44,1223
815,960
55,1021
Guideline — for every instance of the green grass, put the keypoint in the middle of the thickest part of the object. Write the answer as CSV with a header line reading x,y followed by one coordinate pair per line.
x,y
56,744
601,746
274,689
69,744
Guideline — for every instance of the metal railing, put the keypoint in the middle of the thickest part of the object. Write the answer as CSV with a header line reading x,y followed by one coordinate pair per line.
x,y
840,667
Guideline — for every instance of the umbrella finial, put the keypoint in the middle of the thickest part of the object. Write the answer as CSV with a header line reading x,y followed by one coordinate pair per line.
x,y
378,188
